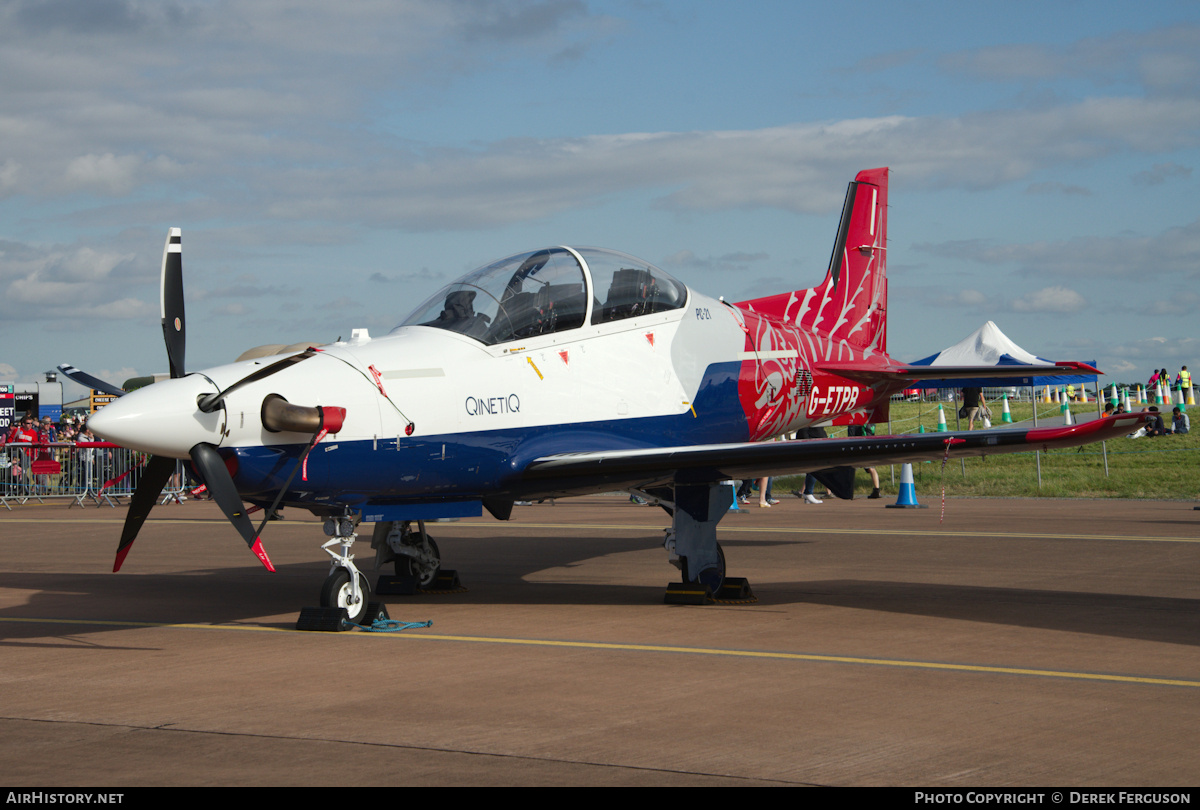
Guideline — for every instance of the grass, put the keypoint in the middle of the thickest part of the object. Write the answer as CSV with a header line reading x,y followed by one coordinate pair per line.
x,y
1163,468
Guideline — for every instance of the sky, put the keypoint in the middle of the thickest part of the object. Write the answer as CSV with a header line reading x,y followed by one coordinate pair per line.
x,y
332,165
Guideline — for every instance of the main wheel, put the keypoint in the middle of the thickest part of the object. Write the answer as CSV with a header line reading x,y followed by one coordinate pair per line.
x,y
336,592
714,576
424,573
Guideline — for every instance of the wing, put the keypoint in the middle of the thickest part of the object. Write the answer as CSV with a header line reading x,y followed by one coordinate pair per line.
x,y
581,473
903,373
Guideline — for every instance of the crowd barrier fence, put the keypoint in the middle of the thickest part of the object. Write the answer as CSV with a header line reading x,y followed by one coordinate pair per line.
x,y
99,472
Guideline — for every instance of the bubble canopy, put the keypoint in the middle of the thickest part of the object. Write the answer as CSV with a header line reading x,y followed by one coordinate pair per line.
x,y
545,291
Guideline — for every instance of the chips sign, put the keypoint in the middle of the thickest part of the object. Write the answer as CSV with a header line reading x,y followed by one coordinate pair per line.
x,y
99,400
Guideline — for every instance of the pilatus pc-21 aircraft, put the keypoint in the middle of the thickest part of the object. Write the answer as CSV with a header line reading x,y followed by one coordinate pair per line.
x,y
562,371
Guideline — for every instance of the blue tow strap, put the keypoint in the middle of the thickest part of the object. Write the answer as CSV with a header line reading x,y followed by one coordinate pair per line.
x,y
393,626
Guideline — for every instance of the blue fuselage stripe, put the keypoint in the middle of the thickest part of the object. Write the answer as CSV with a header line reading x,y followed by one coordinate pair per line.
x,y
458,466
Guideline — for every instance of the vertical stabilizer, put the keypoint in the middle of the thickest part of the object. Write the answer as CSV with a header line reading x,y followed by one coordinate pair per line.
x,y
850,306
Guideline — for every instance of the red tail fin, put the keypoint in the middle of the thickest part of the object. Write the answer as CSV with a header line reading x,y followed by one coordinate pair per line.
x,y
850,306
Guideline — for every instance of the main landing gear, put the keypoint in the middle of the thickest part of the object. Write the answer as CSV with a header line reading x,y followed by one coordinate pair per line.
x,y
692,546
413,551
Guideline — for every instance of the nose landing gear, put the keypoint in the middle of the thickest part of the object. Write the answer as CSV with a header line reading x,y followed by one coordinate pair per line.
x,y
346,586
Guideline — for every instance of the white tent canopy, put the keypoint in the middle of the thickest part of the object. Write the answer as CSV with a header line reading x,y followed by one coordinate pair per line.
x,y
988,346
984,347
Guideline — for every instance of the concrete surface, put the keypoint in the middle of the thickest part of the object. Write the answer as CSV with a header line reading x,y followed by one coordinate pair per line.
x,y
1020,642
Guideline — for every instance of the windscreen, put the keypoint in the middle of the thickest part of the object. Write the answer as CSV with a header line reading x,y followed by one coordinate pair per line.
x,y
518,297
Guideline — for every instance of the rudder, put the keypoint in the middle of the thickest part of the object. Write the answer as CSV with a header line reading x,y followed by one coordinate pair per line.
x,y
850,305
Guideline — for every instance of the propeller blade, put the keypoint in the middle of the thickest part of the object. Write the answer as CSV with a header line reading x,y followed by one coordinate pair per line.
x,y
174,323
220,483
158,469
88,381
209,403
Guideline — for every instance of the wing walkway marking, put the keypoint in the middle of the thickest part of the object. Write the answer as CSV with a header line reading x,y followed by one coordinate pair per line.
x,y
630,527
651,648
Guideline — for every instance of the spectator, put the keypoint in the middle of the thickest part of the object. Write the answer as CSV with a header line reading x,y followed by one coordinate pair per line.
x,y
1155,426
24,432
1180,423
866,430
975,405
810,483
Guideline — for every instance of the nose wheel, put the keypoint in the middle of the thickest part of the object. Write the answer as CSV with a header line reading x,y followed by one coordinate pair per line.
x,y
338,591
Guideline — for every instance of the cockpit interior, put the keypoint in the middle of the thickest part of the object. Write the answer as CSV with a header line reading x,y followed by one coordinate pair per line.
x,y
546,291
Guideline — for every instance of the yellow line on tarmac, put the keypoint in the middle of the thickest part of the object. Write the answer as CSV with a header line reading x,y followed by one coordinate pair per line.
x,y
657,648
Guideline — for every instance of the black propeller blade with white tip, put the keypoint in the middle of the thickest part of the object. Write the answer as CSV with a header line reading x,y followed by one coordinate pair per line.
x,y
158,470
170,298
216,475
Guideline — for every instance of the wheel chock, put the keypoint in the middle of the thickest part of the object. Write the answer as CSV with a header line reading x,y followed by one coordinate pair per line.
x,y
446,580
732,590
376,611
735,589
323,619
406,585
687,593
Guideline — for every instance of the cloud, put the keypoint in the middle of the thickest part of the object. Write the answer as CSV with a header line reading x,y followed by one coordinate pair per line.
x,y
1050,299
884,62
285,125
1180,302
1158,348
235,309
106,173
962,299
686,260
342,304
517,22
70,285
1163,60
800,168
424,274
1174,252
1057,188
245,286
1161,173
